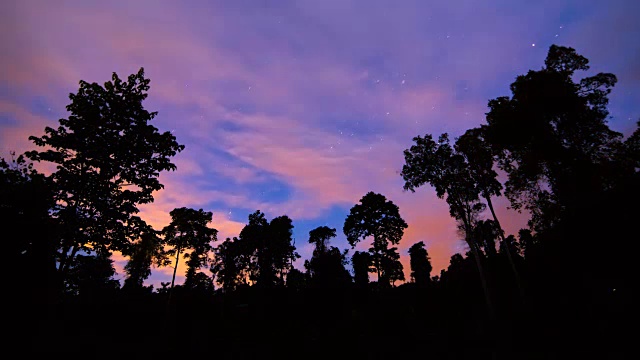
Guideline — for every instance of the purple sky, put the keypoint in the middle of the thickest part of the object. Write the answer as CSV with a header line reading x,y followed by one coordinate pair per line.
x,y
301,107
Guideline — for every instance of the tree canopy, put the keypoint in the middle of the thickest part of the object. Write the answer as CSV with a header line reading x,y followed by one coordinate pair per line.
x,y
108,158
377,217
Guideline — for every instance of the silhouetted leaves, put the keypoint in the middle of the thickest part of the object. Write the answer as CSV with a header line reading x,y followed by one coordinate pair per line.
x,y
420,264
326,267
189,230
379,218
108,160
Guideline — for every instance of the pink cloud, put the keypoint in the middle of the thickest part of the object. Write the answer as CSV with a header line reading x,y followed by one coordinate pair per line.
x,y
277,86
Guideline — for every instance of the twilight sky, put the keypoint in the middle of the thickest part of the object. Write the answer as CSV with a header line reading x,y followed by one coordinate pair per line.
x,y
301,107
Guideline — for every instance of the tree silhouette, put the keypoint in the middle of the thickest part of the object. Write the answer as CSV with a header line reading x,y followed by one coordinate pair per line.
x,y
188,230
326,267
361,264
108,160
226,265
296,279
485,233
147,251
376,217
320,237
25,200
480,159
420,264
279,251
245,247
392,269
551,136
92,276
265,250
436,163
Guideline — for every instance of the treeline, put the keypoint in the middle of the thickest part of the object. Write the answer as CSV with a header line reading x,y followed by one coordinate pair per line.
x,y
566,280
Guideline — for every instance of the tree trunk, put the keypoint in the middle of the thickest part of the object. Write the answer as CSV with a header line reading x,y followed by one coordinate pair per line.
x,y
507,248
173,279
483,278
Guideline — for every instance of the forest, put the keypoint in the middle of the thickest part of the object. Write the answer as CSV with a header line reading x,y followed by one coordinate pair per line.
x,y
562,285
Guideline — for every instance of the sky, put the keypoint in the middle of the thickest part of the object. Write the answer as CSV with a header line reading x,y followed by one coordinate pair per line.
x,y
300,108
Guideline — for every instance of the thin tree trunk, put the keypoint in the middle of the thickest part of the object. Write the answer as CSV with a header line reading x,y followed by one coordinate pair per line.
x,y
507,248
483,278
173,279
466,218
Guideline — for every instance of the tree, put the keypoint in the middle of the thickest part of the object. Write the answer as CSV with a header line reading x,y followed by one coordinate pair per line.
x,y
251,237
326,268
376,217
392,269
199,282
436,163
295,279
551,136
361,264
485,233
25,200
480,158
420,264
147,251
265,249
188,230
279,251
320,237
226,265
108,159
92,276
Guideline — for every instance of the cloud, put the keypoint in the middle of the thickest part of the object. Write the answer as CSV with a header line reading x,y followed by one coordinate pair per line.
x,y
315,99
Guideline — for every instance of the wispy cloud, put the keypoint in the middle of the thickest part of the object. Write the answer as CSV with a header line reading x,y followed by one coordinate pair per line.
x,y
301,108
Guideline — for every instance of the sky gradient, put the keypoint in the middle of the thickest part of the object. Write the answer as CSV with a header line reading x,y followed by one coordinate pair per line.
x,y
301,107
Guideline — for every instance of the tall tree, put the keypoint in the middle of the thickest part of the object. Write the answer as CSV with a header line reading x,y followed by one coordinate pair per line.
x,y
379,218
108,159
480,158
420,264
188,230
438,164
551,136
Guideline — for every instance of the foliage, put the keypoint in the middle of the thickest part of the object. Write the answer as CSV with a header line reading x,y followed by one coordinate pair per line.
x,y
25,201
92,275
361,264
147,251
420,264
108,159
379,218
551,136
189,230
